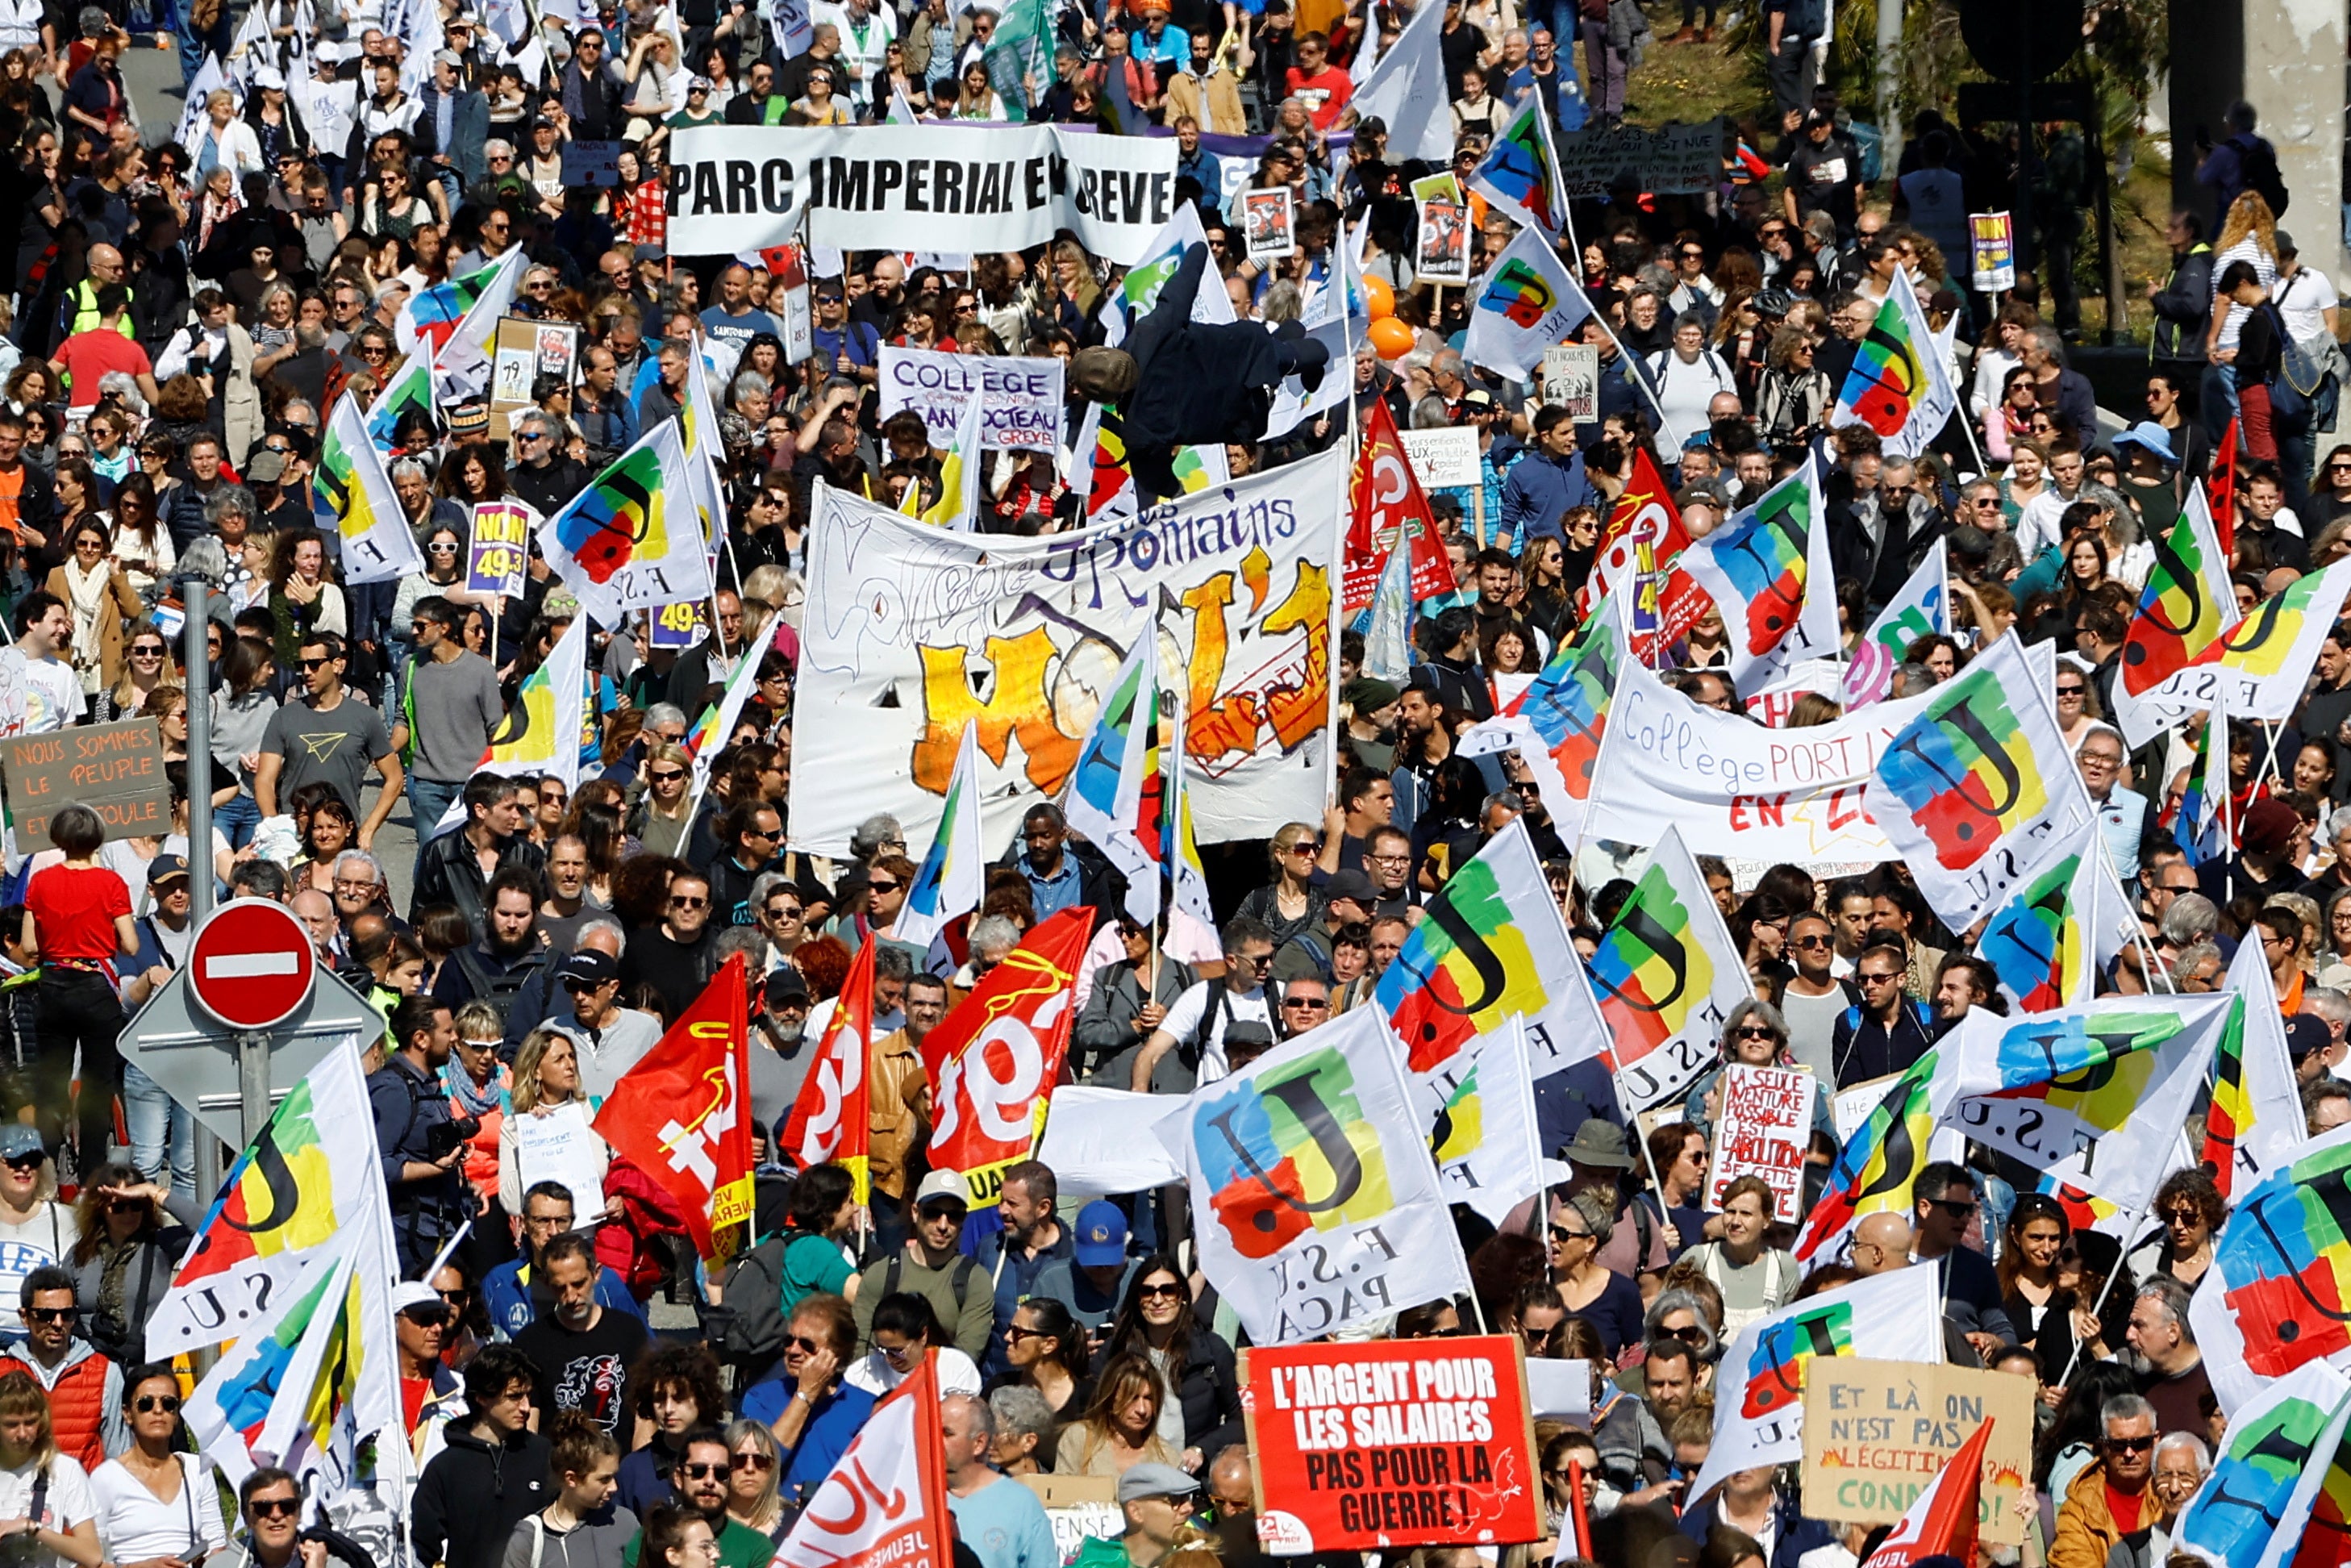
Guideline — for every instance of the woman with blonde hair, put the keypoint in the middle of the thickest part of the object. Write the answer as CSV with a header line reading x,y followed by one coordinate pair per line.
x,y
546,1080
663,813
65,1527
1288,903
2248,233
1120,1426
753,1490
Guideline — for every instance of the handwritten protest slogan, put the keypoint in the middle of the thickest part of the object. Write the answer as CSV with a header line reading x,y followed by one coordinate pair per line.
x,y
1390,1444
1019,399
115,770
1763,1129
1677,158
1877,1432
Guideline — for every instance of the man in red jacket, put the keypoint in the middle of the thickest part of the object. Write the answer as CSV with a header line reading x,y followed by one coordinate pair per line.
x,y
85,1388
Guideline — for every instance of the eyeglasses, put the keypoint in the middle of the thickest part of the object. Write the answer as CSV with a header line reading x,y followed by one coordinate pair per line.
x,y
274,1508
707,1472
1814,941
1310,1004
886,886
1870,979
1956,1207
688,901
2183,1217
2129,1445
1305,847
1754,1032
151,653
1172,1290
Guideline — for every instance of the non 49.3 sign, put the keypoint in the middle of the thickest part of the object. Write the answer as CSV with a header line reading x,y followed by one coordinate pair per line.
x,y
500,552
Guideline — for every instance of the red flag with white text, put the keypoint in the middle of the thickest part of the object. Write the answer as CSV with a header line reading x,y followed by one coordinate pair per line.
x,y
834,1118
1645,514
1388,508
2220,488
1941,1521
683,1114
885,1502
993,1061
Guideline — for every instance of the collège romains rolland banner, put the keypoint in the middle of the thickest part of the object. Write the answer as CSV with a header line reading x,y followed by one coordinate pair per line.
x,y
1370,1446
917,187
913,631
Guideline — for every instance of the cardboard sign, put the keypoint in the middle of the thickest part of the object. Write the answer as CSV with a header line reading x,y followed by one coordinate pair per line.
x,y
1079,1508
1678,159
115,770
1850,1107
499,557
1270,221
592,162
1763,1129
1991,251
1571,378
1443,457
1875,1433
1389,1443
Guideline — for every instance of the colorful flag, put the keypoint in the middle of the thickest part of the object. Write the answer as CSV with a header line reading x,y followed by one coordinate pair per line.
x,y
682,1115
1941,1521
1665,974
1019,56
885,1502
960,470
1898,386
994,1060
1968,790
2279,1452
1880,1162
1388,509
1484,1132
1556,725
1099,463
352,497
1759,1405
1921,607
540,734
2326,1538
2273,1301
832,1120
2203,828
951,879
2260,666
709,734
1318,1150
1103,799
1527,300
1768,568
410,388
1191,921
432,316
2188,606
632,540
1644,518
2048,939
2094,1094
2255,1122
1521,174
1388,640
313,1174
1138,289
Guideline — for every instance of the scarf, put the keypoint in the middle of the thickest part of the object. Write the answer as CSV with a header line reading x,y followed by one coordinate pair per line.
x,y
478,1101
88,592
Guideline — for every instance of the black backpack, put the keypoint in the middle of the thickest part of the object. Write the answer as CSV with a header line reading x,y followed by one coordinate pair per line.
x,y
2258,165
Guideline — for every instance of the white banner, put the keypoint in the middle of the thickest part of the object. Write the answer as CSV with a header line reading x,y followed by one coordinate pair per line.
x,y
912,633
1732,786
916,188
1020,398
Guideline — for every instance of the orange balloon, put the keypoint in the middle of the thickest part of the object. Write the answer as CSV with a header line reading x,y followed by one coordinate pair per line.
x,y
1380,298
1390,338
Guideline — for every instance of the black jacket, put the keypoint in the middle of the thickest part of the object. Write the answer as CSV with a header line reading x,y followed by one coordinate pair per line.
x,y
2184,309
1209,1390
472,1496
1197,384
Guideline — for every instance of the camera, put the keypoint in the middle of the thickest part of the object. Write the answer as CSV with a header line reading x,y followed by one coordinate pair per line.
x,y
438,1141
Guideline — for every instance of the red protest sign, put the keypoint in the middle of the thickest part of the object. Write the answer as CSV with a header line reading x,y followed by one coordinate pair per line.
x,y
1409,1443
1763,1128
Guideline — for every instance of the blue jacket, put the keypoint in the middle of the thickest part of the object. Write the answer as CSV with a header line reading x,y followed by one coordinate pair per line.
x,y
1016,1281
1538,491
1796,1534
505,1294
1203,166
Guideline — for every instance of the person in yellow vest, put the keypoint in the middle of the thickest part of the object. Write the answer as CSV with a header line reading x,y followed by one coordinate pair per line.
x,y
80,311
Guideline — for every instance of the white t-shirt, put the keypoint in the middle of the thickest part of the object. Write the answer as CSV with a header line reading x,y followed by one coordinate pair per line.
x,y
134,1524
67,1504
1182,1021
44,1238
872,1373
2301,300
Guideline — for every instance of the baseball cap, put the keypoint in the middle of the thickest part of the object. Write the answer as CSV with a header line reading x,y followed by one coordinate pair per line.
x,y
2306,1033
1144,1480
270,78
1100,1238
163,868
943,1185
410,1293
2285,246
18,1140
588,967
1351,883
264,467
786,984
449,58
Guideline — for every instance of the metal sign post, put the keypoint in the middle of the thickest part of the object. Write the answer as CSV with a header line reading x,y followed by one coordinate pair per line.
x,y
196,594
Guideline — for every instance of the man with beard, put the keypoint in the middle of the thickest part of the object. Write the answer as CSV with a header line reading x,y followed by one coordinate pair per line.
x,y
1371,721
1965,982
698,1481
511,1295
1388,859
1015,1255
780,1049
582,1351
329,737
673,956
508,952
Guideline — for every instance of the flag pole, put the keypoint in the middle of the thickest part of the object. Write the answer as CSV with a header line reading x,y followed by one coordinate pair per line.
x,y
2139,1218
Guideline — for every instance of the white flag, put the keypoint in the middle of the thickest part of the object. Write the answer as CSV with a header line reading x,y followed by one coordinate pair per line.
x,y
1921,607
952,877
1527,301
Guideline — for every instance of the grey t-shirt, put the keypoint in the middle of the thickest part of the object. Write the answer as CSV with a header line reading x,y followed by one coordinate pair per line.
x,y
1811,1030
336,748
776,1079
604,1058
453,708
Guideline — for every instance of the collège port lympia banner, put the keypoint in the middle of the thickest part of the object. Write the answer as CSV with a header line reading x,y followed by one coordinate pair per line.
x,y
913,631
1391,1444
917,187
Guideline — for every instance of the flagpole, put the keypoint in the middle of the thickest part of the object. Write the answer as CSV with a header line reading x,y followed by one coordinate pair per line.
x,y
2139,1218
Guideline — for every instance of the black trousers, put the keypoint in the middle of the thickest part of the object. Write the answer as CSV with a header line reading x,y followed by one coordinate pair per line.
x,y
79,1009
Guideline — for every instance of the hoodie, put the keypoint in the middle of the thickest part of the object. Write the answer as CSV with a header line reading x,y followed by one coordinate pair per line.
x,y
472,1496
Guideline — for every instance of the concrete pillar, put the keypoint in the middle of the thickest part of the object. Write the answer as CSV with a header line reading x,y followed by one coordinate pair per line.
x,y
2286,58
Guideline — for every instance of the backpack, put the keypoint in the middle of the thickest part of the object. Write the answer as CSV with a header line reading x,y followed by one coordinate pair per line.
x,y
2298,378
2258,165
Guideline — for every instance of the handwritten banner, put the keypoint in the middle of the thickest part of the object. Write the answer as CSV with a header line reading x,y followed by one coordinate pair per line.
x,y
1763,1129
1677,159
115,770
1021,399
1875,1432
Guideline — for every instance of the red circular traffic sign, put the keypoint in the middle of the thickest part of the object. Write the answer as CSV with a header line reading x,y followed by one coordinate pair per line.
x,y
251,964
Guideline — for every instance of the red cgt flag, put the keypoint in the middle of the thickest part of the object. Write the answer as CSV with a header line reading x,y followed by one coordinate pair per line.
x,y
1645,514
1388,509
834,1118
681,1115
993,1061
885,1502
2221,490
1941,1521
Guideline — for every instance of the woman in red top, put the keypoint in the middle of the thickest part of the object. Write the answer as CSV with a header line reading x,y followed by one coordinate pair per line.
x,y
77,921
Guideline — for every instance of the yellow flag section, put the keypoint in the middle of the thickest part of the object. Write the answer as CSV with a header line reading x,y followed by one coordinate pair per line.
x,y
540,734
352,497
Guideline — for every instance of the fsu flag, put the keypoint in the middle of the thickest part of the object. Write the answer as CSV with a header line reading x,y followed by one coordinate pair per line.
x,y
993,1061
1389,511
681,1115
834,1118
1941,1521
885,1504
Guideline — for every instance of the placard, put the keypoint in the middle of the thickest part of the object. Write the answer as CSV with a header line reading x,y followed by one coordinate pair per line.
x,y
498,558
592,162
1571,378
1079,1509
1270,221
1850,1107
1442,252
1764,1127
1991,251
1681,160
562,1146
675,625
115,770
1020,396
555,346
1875,1433
1444,457
1391,1444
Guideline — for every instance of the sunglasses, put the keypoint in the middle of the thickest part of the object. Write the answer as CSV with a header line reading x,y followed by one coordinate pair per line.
x,y
1815,941
26,1162
1691,1334
51,1314
273,1507
1953,1207
1562,1233
689,902
156,653
2129,1445
1159,1292
755,1461
707,1472
1312,1004
308,665
884,886
802,1343
667,775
